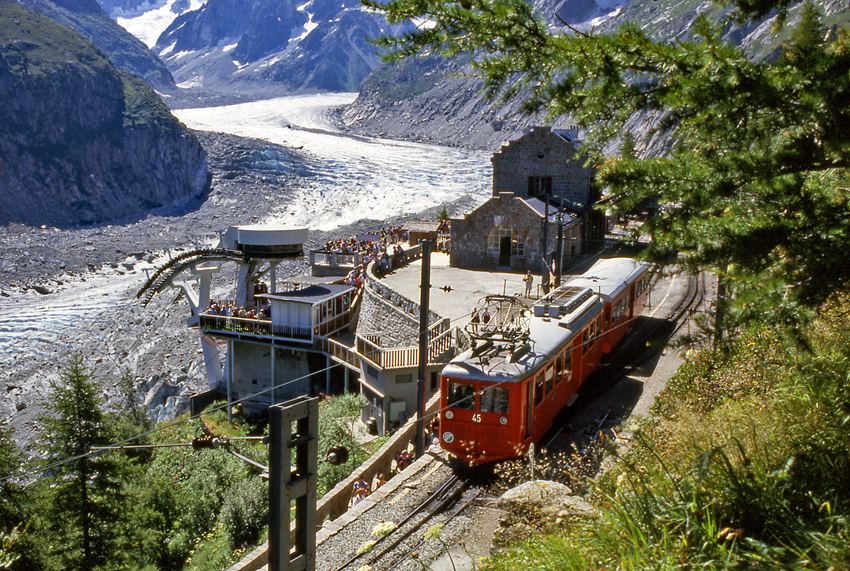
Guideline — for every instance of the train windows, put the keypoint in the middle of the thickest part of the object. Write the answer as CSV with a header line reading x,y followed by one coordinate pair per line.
x,y
585,335
619,309
563,373
559,367
461,396
549,375
538,389
494,399
642,285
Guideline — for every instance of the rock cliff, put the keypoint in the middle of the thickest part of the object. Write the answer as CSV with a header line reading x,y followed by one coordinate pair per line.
x,y
124,50
80,141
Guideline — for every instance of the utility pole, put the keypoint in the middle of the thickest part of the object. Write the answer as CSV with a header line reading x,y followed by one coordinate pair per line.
x,y
559,252
545,276
720,310
423,345
288,484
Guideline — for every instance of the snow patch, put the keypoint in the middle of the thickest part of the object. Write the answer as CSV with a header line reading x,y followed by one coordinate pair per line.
x,y
167,50
148,24
602,19
196,81
270,62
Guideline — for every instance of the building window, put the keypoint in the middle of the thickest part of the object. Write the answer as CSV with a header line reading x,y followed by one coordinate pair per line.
x,y
404,378
497,240
539,185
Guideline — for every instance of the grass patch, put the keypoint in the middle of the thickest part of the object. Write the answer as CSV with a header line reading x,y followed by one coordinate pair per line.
x,y
744,464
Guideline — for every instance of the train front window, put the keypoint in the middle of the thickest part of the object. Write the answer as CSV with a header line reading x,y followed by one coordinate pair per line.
x,y
494,399
461,396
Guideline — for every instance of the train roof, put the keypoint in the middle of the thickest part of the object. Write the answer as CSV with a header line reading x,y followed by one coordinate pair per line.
x,y
608,277
501,361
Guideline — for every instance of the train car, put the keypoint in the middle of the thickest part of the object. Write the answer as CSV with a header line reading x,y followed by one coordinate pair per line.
x,y
622,283
503,394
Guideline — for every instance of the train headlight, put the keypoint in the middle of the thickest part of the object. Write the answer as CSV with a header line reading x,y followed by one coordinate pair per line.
x,y
448,437
450,415
503,421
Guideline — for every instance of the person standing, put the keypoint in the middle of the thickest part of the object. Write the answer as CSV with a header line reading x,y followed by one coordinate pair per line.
x,y
529,280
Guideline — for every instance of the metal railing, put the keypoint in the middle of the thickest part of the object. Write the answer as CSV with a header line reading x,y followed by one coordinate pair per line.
x,y
257,327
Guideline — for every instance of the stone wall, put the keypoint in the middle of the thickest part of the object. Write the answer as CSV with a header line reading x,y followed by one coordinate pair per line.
x,y
389,315
471,233
393,325
541,154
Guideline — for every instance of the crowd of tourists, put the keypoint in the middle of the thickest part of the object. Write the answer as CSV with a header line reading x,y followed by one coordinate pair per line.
x,y
383,238
229,309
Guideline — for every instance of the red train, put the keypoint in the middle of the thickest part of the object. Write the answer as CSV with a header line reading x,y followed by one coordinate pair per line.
x,y
502,394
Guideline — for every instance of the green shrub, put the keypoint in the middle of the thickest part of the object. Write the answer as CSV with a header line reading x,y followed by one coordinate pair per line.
x,y
245,512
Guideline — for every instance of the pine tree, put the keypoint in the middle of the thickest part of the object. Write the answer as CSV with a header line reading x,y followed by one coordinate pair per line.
x,y
754,178
11,494
82,502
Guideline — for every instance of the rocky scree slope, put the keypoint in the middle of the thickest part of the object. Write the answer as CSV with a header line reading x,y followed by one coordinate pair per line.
x,y
441,101
124,50
81,142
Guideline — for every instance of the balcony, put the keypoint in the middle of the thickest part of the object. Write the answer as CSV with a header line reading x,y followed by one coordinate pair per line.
x,y
239,326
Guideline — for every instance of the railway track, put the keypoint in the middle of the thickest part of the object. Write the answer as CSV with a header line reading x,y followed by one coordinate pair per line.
x,y
432,496
437,496
393,549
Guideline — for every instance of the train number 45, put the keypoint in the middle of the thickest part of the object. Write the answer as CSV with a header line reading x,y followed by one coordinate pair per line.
x,y
476,418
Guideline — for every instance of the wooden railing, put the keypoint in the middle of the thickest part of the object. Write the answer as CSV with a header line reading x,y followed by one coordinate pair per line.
x,y
334,324
368,349
341,352
440,341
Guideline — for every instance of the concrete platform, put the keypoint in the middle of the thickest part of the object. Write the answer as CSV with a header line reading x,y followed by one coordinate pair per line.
x,y
468,286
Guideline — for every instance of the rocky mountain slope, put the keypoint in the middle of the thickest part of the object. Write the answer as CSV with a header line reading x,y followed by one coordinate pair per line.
x,y
80,141
276,44
442,102
125,51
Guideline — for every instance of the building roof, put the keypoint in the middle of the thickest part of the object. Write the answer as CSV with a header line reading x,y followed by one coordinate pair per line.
x,y
539,207
312,294
570,135
421,226
306,279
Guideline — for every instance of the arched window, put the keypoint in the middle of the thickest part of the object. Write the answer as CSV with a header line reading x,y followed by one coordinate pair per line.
x,y
496,241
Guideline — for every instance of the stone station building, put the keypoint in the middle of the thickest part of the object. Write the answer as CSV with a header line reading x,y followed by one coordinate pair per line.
x,y
507,231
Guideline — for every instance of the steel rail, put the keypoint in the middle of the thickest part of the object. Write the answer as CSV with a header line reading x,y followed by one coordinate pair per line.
x,y
452,482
